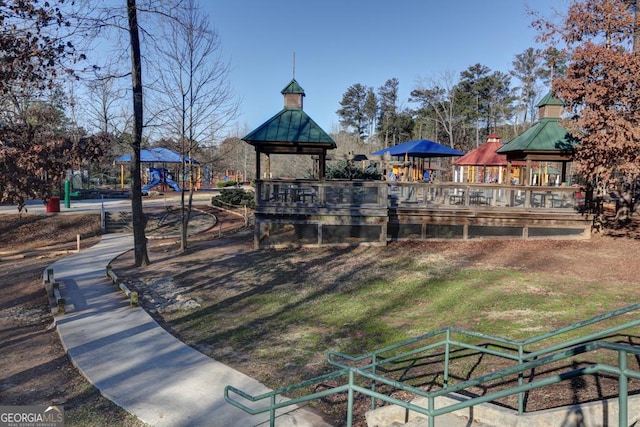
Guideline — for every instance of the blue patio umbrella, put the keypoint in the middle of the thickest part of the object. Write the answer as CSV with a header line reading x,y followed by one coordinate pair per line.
x,y
420,148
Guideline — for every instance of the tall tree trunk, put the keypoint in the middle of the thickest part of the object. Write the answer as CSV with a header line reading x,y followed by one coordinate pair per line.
x,y
187,207
184,223
139,220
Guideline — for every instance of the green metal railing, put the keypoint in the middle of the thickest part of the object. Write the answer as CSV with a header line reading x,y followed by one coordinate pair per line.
x,y
367,367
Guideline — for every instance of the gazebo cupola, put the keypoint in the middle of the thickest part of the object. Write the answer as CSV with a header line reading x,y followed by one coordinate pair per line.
x,y
494,137
293,95
550,107
291,131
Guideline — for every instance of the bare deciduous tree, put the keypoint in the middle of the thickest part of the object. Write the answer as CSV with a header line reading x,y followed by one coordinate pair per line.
x,y
438,96
195,86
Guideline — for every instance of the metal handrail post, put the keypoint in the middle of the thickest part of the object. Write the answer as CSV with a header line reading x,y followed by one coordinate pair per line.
x,y
431,406
520,380
350,399
623,391
272,412
374,364
447,348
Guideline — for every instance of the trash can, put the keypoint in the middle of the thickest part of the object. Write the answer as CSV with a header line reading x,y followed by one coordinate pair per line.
x,y
53,205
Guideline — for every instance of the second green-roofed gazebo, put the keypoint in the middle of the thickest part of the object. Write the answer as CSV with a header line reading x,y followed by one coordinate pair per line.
x,y
291,131
546,141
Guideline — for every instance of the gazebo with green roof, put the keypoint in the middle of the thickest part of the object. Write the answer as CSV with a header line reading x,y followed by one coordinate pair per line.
x,y
291,131
546,141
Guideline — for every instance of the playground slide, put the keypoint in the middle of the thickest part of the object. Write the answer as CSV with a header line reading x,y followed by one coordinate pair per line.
x,y
171,183
155,180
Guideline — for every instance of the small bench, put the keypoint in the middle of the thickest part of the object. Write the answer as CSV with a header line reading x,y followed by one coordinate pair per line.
x,y
481,200
456,200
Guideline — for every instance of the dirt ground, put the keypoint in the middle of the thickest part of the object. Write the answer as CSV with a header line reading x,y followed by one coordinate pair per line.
x,y
35,367
37,371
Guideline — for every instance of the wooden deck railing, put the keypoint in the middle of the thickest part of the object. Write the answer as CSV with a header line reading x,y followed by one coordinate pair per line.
x,y
378,194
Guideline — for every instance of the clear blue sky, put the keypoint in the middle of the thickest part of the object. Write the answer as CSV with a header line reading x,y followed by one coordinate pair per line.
x,y
338,43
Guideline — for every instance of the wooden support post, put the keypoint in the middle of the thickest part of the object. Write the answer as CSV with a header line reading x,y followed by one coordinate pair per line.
x,y
267,166
60,302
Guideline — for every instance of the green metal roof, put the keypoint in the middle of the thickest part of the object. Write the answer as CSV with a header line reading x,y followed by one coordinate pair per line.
x,y
546,135
293,87
549,99
291,125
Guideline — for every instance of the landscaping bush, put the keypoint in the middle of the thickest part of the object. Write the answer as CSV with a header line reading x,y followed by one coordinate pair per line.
x,y
234,197
342,170
225,184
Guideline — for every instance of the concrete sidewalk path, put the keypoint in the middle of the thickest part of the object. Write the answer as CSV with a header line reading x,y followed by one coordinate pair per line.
x,y
136,363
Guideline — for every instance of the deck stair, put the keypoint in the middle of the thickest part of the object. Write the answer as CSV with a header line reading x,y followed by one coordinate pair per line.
x,y
118,222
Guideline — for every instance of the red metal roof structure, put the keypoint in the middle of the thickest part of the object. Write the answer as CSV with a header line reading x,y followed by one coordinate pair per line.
x,y
486,154
484,164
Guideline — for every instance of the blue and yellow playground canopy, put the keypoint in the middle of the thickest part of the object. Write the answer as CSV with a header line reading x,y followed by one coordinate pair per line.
x,y
153,155
156,155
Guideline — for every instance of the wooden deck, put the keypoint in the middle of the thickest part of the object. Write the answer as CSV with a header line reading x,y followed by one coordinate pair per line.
x,y
295,213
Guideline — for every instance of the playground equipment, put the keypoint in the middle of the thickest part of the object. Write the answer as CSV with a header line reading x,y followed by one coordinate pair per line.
x,y
160,176
158,155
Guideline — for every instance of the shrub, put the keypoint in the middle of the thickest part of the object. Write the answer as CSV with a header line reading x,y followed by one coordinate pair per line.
x,y
343,170
224,184
234,197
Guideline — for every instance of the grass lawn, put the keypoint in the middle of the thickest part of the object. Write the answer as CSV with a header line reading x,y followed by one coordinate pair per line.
x,y
280,327
274,314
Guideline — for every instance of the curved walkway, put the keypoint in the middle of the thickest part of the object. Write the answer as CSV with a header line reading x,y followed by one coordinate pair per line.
x,y
136,363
